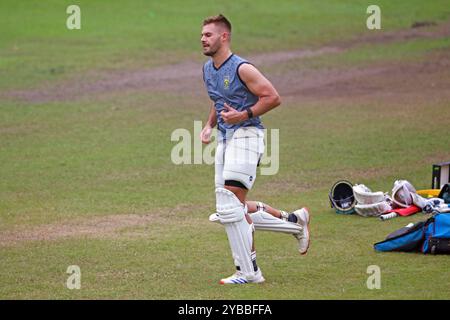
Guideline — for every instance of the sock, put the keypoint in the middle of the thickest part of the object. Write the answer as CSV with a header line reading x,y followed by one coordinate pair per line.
x,y
255,266
292,218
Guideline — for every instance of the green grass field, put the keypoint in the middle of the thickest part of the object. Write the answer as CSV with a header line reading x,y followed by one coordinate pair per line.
x,y
86,173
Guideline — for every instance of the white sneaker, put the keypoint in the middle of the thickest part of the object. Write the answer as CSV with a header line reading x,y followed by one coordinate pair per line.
x,y
303,218
239,278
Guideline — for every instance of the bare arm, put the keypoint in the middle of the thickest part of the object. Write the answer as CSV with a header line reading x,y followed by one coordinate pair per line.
x,y
211,122
259,86
212,119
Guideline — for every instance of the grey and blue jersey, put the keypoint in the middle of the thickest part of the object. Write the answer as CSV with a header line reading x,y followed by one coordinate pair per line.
x,y
224,85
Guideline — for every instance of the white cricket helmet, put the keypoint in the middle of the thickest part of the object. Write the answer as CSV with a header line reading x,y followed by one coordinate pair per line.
x,y
402,193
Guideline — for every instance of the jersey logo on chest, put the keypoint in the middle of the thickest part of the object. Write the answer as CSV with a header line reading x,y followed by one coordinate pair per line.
x,y
226,82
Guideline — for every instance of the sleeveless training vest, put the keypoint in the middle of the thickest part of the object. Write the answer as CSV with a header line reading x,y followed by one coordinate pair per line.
x,y
224,85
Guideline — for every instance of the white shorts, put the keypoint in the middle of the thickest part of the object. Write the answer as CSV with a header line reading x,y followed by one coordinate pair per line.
x,y
238,158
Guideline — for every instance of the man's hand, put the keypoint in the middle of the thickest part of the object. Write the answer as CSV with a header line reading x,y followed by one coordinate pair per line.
x,y
232,116
205,135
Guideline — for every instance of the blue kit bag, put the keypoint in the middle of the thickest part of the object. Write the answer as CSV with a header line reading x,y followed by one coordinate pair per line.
x,y
406,239
430,236
437,235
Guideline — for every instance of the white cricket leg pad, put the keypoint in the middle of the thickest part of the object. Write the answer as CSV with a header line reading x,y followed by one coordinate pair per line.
x,y
231,214
265,221
229,207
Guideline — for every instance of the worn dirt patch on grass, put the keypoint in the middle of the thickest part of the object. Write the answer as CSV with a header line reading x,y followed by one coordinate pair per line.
x,y
98,227
186,77
92,227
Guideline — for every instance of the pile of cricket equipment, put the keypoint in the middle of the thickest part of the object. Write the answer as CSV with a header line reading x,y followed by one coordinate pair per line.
x,y
403,200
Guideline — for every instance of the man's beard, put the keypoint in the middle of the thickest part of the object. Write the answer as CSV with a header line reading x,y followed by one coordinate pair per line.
x,y
212,51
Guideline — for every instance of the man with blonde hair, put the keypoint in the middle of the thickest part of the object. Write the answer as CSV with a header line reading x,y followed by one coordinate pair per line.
x,y
240,95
